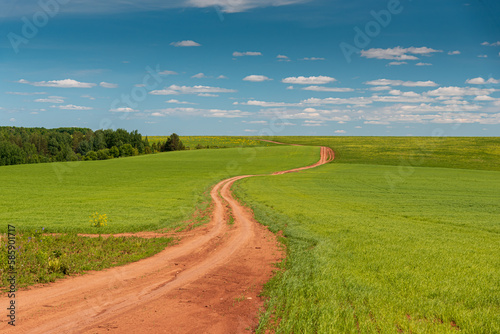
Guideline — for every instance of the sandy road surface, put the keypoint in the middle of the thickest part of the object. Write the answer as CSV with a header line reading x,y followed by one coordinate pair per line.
x,y
208,283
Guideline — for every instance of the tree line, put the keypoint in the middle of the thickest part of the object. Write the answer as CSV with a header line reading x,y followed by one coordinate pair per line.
x,y
36,145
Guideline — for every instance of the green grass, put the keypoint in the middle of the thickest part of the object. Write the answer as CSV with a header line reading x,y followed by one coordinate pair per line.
x,y
368,256
214,141
42,258
451,152
136,193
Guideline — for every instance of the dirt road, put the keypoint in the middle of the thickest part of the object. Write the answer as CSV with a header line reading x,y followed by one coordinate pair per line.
x,y
208,283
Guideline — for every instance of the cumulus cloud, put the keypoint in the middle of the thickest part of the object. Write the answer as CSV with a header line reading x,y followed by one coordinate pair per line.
x,y
313,58
396,63
340,131
51,99
332,100
452,53
66,83
320,80
175,90
231,6
26,93
282,58
199,76
188,43
482,56
483,98
481,81
72,107
120,6
387,82
108,85
167,72
124,109
220,113
379,88
268,104
328,89
256,78
208,95
178,102
398,53
491,44
459,91
423,64
248,53
222,77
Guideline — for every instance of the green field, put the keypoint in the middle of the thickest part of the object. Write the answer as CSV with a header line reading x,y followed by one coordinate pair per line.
x,y
382,240
214,141
368,254
450,152
137,193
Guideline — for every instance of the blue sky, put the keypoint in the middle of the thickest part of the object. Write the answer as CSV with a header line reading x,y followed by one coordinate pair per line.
x,y
239,67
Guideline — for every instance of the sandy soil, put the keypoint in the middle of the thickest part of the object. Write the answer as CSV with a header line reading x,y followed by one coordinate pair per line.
x,y
208,283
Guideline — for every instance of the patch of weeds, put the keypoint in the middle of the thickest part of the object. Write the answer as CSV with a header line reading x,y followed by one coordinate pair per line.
x,y
43,258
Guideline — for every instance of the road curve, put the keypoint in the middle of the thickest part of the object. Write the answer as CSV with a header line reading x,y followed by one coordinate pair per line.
x,y
208,283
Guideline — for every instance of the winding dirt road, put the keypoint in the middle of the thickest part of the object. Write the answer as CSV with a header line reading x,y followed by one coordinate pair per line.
x,y
208,283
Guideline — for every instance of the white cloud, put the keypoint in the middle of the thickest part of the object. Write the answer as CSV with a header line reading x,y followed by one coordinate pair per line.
x,y
66,83
398,53
268,104
236,6
423,64
491,44
124,109
452,53
187,43
387,82
481,81
108,85
313,123
255,122
250,130
459,91
248,53
340,131
175,90
199,112
72,107
332,100
290,88
12,119
256,78
282,58
199,76
320,80
396,63
51,99
482,56
88,97
134,6
179,102
328,89
25,93
483,98
167,72
400,97
222,77
208,95
313,58
379,88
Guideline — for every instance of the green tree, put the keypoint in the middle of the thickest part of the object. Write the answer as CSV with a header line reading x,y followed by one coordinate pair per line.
x,y
174,143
